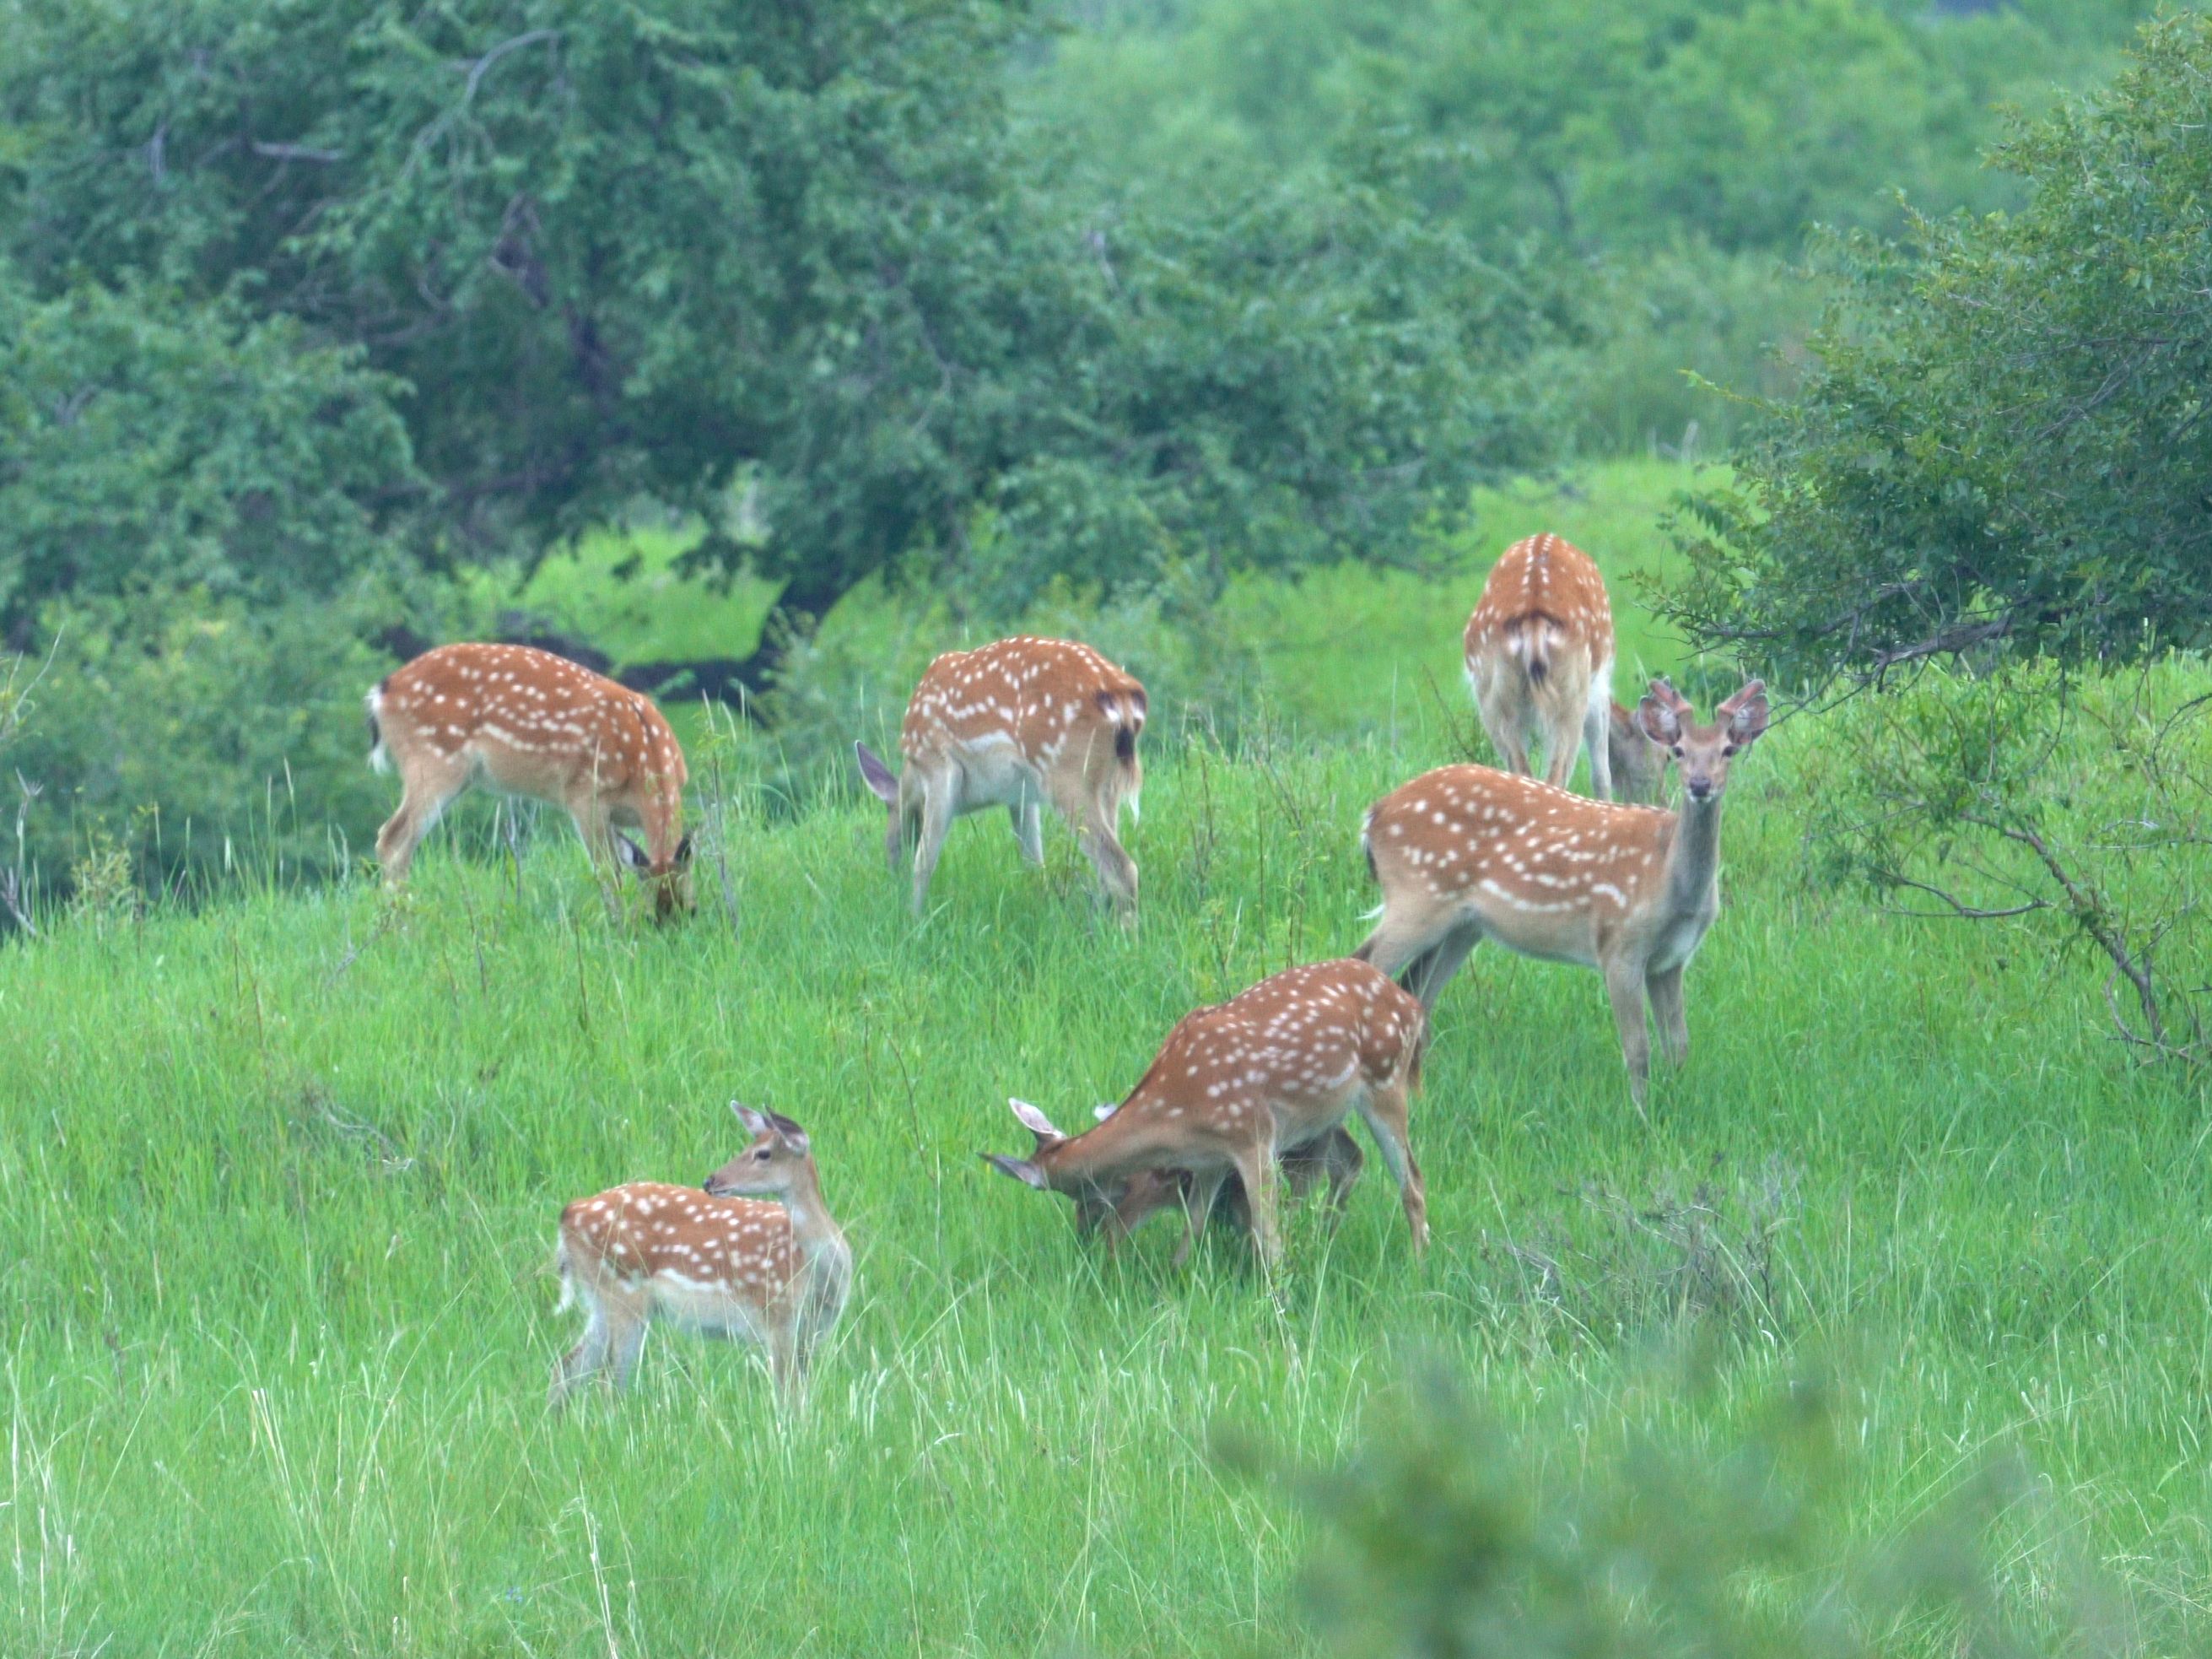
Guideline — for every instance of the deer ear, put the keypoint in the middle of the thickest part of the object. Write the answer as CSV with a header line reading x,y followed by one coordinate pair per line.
x,y
631,853
792,1135
1745,714
877,776
1036,1122
755,1123
1020,1168
682,853
1656,720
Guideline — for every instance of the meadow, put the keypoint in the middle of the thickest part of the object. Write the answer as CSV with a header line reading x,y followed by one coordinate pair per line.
x,y
281,1171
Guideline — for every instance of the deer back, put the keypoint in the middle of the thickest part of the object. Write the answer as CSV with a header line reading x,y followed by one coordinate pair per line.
x,y
537,724
1544,595
1049,699
1520,851
1282,1059
650,1236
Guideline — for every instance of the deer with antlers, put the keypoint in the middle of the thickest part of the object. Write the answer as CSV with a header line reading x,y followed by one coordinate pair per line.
x,y
753,1256
1274,1069
1015,724
525,722
1539,649
1465,854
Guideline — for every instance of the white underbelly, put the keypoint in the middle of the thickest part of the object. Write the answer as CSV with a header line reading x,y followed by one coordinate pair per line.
x,y
702,1312
994,772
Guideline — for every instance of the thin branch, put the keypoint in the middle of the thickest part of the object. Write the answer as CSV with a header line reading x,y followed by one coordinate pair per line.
x,y
483,65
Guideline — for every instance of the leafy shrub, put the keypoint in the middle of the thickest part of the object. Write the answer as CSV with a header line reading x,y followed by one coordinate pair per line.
x,y
200,739
1445,1537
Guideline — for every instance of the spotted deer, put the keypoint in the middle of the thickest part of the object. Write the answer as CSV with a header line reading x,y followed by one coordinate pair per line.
x,y
1274,1069
1539,660
755,1256
1465,854
525,722
1335,1159
1015,724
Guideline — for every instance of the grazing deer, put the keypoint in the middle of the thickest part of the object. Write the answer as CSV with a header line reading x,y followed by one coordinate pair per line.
x,y
718,1262
526,722
1335,1158
1015,724
1638,765
1465,854
1234,1086
1539,660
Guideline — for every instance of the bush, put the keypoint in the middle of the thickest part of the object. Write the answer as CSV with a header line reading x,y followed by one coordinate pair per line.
x,y
1444,1537
203,738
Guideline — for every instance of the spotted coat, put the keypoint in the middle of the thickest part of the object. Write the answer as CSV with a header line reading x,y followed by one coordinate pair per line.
x,y
1539,647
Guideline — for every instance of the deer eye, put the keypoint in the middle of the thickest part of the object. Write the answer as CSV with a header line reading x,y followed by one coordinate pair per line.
x,y
1727,748
761,1157
1677,751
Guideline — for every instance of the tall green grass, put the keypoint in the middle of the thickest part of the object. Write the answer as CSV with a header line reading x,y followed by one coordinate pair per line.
x,y
278,1184
278,1177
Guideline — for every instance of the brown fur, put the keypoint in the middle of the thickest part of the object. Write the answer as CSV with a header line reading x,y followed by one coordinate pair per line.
x,y
1539,649
1234,1086
1465,854
526,722
1016,724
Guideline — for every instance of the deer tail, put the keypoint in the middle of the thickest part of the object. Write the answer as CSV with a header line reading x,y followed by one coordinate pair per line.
x,y
379,757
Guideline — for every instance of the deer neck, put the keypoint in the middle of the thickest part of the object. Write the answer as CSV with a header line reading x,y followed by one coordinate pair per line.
x,y
1693,859
814,1233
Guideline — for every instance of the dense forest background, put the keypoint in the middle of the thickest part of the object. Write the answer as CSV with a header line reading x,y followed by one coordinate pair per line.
x,y
321,328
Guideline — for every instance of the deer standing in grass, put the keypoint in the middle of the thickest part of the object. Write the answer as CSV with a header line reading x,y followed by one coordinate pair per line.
x,y
1465,854
1016,724
525,722
1638,766
754,1257
1236,1086
1539,660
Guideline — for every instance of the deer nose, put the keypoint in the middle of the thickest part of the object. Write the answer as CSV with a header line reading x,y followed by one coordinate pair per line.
x,y
1700,788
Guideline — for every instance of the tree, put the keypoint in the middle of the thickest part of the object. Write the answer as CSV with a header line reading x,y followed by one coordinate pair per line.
x,y
1990,499
792,272
2004,440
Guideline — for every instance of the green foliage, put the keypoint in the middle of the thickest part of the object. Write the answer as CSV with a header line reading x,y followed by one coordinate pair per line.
x,y
200,739
2003,443
1448,1538
150,442
794,273
2074,810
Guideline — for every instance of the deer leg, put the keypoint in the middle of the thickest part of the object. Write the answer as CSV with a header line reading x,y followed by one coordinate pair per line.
x,y
580,1362
1430,971
1405,933
1255,1168
1028,814
1081,798
1505,737
626,1332
1341,1156
429,789
1384,1111
1597,739
1561,743
938,792
1198,1206
1665,990
1624,984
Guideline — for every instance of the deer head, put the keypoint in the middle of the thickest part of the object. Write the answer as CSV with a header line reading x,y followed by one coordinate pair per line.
x,y
777,1160
1702,753
667,883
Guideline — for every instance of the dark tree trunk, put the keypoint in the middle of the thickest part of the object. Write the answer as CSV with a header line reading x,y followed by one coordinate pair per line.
x,y
799,610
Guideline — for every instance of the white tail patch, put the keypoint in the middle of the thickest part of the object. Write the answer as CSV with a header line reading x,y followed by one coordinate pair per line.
x,y
380,759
